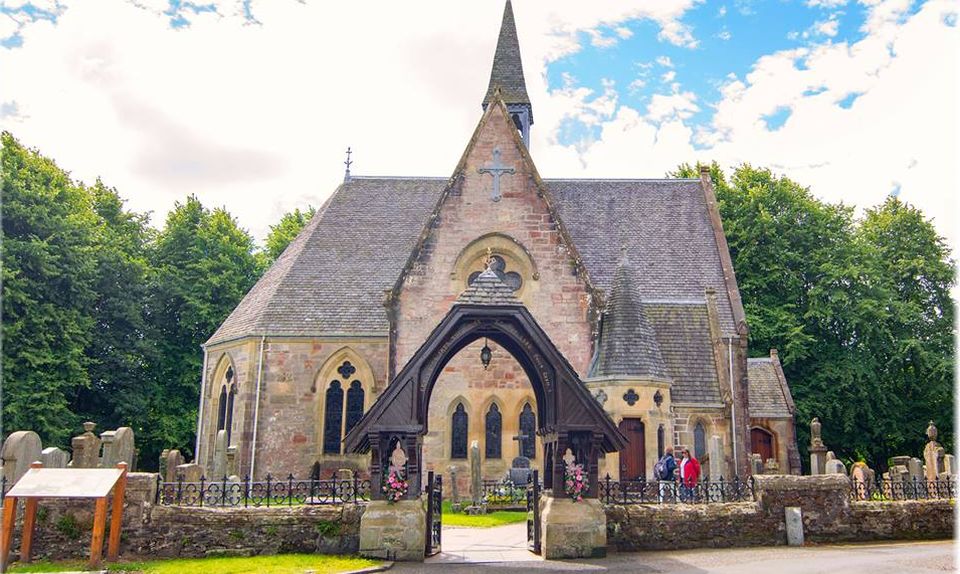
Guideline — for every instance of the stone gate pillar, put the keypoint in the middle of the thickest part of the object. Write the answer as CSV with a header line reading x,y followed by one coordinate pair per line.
x,y
394,525
573,528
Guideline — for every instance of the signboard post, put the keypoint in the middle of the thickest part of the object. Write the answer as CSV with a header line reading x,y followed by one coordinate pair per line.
x,y
41,482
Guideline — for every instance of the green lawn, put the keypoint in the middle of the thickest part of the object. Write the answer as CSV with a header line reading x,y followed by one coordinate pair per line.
x,y
496,518
279,564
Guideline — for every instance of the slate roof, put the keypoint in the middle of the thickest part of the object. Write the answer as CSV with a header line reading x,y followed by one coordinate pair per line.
x,y
769,393
683,335
332,278
628,345
487,289
507,70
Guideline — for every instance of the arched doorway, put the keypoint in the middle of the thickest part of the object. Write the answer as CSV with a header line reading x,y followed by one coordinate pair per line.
x,y
762,443
572,426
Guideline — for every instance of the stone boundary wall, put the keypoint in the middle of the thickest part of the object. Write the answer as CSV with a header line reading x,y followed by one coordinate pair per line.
x,y
828,516
64,528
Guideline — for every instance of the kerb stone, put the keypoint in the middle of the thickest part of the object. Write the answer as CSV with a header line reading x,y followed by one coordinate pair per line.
x,y
794,520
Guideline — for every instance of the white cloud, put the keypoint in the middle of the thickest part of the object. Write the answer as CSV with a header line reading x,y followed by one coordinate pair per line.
x,y
724,34
624,33
664,61
669,76
828,28
830,4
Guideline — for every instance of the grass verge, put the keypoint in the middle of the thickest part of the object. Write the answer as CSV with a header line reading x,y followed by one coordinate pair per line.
x,y
496,518
279,564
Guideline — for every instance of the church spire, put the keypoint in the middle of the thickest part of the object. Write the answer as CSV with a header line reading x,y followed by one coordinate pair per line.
x,y
507,75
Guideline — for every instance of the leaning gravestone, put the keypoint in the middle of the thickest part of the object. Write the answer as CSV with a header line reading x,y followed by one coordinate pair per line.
x,y
191,472
19,451
86,448
834,466
53,457
862,477
173,461
118,446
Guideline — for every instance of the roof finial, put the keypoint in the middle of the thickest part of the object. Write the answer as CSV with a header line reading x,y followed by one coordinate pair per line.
x,y
348,163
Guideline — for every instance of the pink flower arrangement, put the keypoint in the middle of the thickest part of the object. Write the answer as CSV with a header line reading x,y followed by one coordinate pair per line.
x,y
575,482
396,487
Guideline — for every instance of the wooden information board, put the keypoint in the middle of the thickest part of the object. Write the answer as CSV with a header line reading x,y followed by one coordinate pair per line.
x,y
39,482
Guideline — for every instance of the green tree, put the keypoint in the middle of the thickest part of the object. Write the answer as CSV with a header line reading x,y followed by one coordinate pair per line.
x,y
203,264
286,231
826,290
49,277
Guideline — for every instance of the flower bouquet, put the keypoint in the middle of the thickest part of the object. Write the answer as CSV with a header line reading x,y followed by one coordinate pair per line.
x,y
575,482
396,486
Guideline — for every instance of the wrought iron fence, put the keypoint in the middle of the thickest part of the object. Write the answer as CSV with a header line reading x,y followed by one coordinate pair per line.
x,y
905,489
504,494
268,492
669,492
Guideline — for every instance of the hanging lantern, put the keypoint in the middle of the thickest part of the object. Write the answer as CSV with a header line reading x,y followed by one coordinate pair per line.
x,y
485,355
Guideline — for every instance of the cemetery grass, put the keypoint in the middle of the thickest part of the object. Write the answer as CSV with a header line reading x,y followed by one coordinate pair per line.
x,y
278,564
495,518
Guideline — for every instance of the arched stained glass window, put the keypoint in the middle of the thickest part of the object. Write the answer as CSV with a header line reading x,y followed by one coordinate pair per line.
x,y
354,405
229,422
699,441
333,418
222,411
528,430
494,426
458,441
661,439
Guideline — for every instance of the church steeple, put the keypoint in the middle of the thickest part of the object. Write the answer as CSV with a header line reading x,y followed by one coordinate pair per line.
x,y
507,75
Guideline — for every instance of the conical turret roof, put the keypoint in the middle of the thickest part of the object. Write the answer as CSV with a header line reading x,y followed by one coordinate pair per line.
x,y
628,343
507,71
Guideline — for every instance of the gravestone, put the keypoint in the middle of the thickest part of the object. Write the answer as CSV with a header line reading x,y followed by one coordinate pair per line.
x,y
519,473
863,478
716,457
476,486
232,462
794,520
118,446
771,466
191,472
915,469
170,465
834,466
220,455
930,453
86,448
53,457
818,450
949,465
756,464
19,451
454,491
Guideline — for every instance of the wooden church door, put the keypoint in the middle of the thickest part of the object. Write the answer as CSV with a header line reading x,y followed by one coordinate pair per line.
x,y
633,457
762,442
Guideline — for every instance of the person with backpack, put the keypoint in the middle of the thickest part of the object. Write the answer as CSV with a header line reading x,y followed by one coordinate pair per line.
x,y
664,471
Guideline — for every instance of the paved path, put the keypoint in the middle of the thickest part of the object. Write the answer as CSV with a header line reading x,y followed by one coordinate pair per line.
x,y
893,558
476,545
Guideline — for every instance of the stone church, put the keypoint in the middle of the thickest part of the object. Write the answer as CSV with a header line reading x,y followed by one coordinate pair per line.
x,y
631,279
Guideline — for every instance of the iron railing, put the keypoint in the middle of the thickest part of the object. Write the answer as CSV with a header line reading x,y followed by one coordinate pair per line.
x,y
503,494
669,491
907,489
267,492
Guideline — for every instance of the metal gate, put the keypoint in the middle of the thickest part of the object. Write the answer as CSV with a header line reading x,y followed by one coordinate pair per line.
x,y
434,513
533,513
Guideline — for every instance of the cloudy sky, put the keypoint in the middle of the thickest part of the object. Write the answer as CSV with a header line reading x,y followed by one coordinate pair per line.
x,y
250,104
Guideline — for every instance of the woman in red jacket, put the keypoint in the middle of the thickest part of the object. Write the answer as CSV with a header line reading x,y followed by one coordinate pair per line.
x,y
689,475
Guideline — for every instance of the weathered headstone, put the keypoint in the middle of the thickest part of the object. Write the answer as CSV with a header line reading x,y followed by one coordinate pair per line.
x,y
454,492
834,466
118,446
794,520
53,457
86,448
476,485
915,468
862,477
174,460
771,466
191,472
716,457
220,455
520,473
949,465
232,461
930,454
19,451
818,450
756,464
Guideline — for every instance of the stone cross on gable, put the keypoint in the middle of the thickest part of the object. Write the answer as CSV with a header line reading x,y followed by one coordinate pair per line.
x,y
496,170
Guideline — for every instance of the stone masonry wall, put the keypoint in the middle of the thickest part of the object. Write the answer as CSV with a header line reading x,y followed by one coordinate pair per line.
x,y
828,517
64,528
